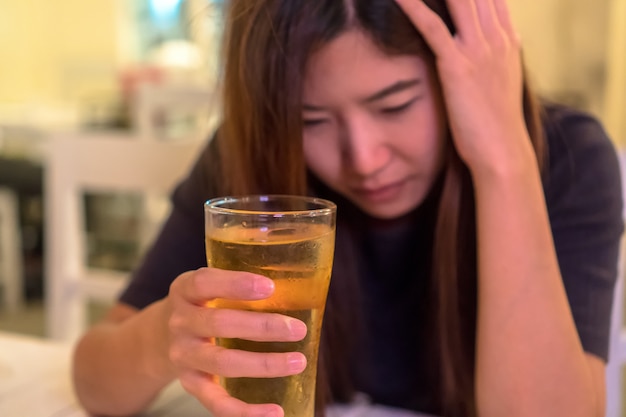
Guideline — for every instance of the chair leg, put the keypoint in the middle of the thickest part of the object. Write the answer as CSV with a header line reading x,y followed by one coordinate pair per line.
x,y
66,315
614,366
11,268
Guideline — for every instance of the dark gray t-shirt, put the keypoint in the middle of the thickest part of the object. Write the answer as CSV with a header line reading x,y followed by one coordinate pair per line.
x,y
584,198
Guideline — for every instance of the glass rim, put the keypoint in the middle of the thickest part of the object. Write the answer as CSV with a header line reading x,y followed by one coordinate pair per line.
x,y
326,206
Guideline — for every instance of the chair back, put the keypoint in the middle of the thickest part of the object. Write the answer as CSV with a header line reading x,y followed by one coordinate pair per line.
x,y
80,163
166,112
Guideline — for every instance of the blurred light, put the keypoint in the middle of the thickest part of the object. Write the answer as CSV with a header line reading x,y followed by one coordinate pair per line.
x,y
178,54
164,9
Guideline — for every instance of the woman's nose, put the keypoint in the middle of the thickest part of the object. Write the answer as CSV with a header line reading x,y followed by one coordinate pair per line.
x,y
365,150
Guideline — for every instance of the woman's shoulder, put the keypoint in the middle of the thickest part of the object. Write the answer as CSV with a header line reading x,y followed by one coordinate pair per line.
x,y
582,163
575,132
576,140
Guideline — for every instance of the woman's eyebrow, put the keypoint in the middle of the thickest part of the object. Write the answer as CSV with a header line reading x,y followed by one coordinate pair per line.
x,y
392,89
385,92
310,107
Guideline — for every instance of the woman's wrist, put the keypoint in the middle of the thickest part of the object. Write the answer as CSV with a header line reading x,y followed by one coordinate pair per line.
x,y
153,326
514,164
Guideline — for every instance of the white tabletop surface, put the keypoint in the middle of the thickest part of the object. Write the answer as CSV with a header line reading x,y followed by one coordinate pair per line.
x,y
35,382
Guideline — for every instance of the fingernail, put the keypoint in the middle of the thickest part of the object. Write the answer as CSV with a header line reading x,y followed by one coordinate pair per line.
x,y
274,413
296,362
296,327
263,287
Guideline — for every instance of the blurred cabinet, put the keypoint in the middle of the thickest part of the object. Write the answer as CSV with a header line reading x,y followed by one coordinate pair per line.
x,y
24,178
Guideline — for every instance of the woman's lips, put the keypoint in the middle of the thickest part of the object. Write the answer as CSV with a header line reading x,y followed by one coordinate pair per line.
x,y
380,194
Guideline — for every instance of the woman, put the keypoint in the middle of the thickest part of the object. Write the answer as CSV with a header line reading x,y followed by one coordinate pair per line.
x,y
477,237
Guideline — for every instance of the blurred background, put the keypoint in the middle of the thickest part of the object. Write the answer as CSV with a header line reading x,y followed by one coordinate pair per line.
x,y
94,66
128,68
146,70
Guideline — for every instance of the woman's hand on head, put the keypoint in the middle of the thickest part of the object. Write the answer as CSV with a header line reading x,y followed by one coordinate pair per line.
x,y
480,71
194,325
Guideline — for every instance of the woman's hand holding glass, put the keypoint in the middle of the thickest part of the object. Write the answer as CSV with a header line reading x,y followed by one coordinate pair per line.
x,y
480,69
194,324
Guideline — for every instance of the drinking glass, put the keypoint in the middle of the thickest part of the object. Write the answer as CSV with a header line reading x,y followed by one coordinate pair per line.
x,y
291,240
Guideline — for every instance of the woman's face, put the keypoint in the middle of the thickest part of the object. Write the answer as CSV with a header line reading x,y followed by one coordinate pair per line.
x,y
374,125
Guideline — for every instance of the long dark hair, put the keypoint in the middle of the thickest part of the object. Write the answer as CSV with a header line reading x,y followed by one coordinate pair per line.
x,y
267,45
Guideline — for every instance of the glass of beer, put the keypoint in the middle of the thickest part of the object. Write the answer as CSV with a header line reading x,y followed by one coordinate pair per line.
x,y
291,240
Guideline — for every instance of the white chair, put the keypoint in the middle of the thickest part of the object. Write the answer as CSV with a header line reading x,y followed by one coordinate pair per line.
x,y
617,352
11,264
155,107
79,163
617,348
615,122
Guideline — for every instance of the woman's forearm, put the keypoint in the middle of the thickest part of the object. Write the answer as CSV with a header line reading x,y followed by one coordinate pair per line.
x,y
120,367
529,359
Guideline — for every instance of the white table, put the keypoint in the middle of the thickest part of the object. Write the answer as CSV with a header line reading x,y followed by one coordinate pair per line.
x,y
35,382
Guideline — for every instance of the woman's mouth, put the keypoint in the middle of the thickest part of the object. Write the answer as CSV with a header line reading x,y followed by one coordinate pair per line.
x,y
380,194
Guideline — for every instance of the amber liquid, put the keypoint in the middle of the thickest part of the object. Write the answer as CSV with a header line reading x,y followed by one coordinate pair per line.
x,y
299,260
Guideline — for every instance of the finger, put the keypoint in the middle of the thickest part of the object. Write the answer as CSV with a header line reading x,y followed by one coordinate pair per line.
x,y
430,25
261,327
465,18
234,363
504,17
220,403
206,284
487,17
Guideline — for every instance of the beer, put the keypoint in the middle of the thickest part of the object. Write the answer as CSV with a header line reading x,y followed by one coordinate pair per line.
x,y
298,258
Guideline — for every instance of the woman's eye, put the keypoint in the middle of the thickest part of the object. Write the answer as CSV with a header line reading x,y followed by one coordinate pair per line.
x,y
312,122
400,108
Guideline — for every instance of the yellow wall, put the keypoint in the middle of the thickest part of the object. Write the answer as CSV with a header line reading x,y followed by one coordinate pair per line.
x,y
55,51
565,45
615,100
67,52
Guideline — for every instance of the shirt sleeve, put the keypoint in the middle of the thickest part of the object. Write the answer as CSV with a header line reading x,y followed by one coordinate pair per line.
x,y
584,198
179,246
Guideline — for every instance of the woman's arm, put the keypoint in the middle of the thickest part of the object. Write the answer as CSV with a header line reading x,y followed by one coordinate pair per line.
x,y
529,358
121,364
584,199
